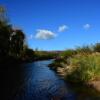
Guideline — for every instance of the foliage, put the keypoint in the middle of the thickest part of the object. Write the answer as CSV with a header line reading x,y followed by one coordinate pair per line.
x,y
5,33
84,68
12,43
80,65
67,53
97,47
27,54
44,55
16,43
84,50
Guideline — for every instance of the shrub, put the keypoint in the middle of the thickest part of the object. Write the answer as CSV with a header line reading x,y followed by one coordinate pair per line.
x,y
97,47
84,50
67,53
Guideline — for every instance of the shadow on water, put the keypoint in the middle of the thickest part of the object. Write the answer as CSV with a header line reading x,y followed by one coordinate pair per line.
x,y
11,78
33,81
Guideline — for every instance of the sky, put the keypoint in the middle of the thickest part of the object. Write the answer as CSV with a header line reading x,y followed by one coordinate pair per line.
x,y
56,24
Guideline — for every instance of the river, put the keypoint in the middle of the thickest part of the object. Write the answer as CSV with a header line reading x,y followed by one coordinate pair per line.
x,y
33,81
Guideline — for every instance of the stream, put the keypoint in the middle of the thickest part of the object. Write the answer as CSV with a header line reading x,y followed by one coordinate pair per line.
x,y
33,81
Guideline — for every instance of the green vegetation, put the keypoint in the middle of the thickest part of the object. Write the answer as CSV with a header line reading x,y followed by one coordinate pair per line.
x,y
84,50
84,68
79,65
13,47
42,55
68,53
12,44
97,47
81,68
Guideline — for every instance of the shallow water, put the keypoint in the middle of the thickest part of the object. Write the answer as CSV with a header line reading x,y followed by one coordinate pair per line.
x,y
34,81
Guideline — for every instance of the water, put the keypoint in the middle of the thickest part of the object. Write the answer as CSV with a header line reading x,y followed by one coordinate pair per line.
x,y
34,81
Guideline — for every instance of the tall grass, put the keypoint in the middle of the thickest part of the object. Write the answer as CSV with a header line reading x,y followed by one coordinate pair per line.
x,y
84,68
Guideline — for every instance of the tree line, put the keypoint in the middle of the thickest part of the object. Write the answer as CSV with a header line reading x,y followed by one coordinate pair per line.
x,y
12,43
13,46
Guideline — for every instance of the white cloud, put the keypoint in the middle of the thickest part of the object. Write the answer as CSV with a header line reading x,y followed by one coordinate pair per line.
x,y
44,34
63,28
87,26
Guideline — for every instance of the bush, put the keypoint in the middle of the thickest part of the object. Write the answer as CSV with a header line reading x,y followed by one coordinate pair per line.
x,y
84,50
97,47
67,53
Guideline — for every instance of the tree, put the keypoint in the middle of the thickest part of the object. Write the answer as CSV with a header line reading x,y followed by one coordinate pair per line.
x,y
12,41
17,42
27,54
5,33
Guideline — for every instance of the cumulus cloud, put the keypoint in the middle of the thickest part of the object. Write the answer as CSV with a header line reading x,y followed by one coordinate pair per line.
x,y
87,26
63,28
44,34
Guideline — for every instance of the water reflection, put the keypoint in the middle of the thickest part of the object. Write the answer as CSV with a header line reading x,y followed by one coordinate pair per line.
x,y
38,82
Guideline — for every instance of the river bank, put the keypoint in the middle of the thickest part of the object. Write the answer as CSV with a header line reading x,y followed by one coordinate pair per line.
x,y
9,60
84,80
90,90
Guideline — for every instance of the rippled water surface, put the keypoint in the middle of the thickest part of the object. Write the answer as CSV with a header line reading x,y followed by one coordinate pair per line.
x,y
34,81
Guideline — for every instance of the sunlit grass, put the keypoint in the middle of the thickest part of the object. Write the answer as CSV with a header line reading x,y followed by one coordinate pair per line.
x,y
84,68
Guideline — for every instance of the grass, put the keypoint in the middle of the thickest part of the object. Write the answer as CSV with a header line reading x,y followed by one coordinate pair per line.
x,y
84,68
81,69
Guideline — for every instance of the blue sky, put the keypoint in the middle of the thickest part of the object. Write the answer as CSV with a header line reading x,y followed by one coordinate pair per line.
x,y
56,24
